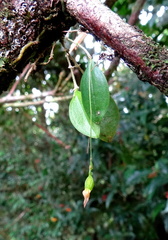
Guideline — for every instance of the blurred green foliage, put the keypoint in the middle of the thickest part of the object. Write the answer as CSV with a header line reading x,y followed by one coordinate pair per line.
x,y
41,182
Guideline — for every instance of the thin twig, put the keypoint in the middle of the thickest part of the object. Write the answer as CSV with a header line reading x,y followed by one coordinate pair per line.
x,y
32,68
51,55
26,97
9,98
71,67
83,48
20,216
18,81
61,76
61,143
76,64
65,82
78,40
35,103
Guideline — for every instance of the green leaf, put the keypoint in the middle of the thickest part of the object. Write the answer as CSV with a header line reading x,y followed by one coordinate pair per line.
x,y
95,92
109,123
109,199
155,185
79,118
136,176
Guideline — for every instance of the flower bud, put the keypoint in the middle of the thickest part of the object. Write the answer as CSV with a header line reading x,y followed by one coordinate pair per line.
x,y
89,184
86,195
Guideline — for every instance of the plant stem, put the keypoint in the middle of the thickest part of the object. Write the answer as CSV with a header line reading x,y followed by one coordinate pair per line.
x,y
84,49
91,157
90,139
73,77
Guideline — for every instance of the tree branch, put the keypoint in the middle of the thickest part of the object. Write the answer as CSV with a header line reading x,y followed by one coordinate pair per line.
x,y
136,11
62,144
132,21
52,136
147,59
35,103
28,30
110,3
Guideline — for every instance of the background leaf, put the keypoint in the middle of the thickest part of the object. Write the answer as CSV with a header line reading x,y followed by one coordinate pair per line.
x,y
109,123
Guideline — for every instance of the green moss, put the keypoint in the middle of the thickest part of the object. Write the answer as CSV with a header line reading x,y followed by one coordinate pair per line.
x,y
3,61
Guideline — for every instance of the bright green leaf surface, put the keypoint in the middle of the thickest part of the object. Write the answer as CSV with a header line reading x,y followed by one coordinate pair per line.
x,y
79,118
95,92
109,124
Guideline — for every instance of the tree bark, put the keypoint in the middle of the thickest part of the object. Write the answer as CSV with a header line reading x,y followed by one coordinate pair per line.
x,y
28,28
147,59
